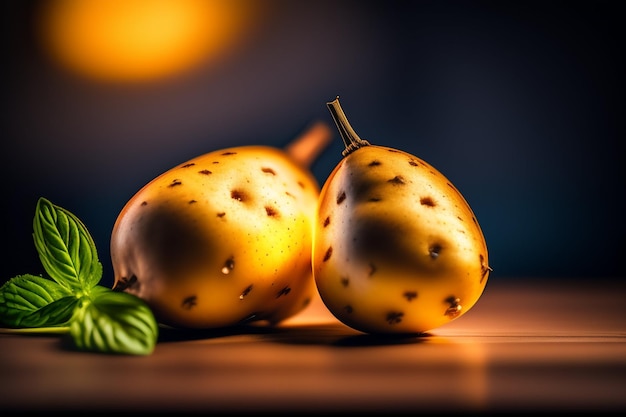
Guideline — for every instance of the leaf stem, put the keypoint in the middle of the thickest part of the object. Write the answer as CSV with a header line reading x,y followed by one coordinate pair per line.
x,y
36,330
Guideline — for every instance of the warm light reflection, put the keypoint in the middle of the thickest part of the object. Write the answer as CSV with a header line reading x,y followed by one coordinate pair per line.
x,y
134,40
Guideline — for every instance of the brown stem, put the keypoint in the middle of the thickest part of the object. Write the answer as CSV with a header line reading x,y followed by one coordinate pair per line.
x,y
351,140
309,145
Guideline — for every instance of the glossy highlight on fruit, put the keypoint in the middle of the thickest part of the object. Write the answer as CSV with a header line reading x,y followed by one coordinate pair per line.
x,y
224,238
397,249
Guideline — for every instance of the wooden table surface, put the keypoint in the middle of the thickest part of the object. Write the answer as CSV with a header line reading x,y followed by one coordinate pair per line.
x,y
527,345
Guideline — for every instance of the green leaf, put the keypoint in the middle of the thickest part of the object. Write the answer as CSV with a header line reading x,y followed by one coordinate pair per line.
x,y
97,318
32,301
115,322
65,247
57,313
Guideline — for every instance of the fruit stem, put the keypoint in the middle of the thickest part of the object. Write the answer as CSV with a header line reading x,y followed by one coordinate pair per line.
x,y
307,147
351,140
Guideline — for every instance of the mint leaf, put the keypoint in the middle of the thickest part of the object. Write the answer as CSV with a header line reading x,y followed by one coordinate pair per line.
x,y
115,322
97,318
24,302
65,247
56,314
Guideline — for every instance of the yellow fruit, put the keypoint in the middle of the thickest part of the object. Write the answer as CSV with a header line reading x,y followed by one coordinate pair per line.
x,y
224,238
397,249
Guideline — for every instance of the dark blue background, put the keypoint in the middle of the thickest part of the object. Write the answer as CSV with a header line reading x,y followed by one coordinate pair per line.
x,y
520,104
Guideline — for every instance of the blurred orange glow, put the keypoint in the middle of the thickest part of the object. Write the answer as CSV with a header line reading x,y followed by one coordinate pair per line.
x,y
135,40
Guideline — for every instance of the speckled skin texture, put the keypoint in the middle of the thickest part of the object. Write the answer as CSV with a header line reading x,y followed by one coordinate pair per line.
x,y
397,248
221,239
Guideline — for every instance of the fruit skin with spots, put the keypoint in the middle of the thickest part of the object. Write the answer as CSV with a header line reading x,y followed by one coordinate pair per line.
x,y
397,249
222,239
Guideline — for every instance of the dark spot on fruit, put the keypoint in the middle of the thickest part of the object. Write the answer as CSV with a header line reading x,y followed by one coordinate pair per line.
x,y
175,182
326,221
434,250
345,281
328,253
215,162
394,317
306,301
188,165
221,214
245,292
413,163
427,201
144,203
125,283
268,171
410,295
287,193
271,211
282,292
348,309
484,269
238,195
455,306
397,180
374,163
372,270
250,317
460,218
301,185
229,265
474,220
190,302
374,199
229,153
453,187
205,172
192,201
341,197
393,150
